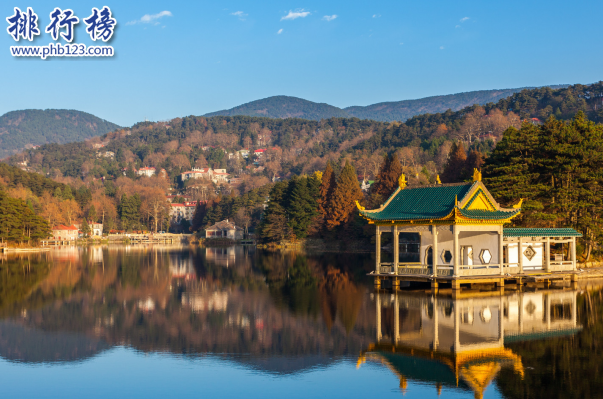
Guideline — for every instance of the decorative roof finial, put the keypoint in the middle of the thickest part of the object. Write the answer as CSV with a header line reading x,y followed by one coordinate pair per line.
x,y
477,175
360,207
518,205
438,181
402,181
456,201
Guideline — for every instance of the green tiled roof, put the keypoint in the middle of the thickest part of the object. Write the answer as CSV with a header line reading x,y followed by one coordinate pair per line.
x,y
527,232
432,202
491,215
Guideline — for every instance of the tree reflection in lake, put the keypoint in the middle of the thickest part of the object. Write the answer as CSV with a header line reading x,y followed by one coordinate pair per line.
x,y
290,312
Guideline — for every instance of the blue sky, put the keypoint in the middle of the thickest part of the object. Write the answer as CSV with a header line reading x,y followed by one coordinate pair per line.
x,y
189,58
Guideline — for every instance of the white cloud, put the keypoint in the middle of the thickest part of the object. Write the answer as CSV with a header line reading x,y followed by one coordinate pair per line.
x,y
457,26
147,18
465,19
239,14
441,47
401,44
329,17
279,31
296,14
376,15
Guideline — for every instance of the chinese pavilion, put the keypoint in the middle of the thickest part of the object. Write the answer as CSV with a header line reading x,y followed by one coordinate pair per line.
x,y
454,233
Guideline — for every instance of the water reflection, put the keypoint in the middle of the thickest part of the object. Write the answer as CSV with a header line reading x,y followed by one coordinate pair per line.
x,y
461,342
288,313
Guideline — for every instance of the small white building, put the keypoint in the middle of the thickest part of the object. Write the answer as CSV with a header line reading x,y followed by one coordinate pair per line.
x,y
148,172
224,229
181,211
65,233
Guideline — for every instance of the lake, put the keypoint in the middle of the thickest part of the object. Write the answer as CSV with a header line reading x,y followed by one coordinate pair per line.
x,y
169,321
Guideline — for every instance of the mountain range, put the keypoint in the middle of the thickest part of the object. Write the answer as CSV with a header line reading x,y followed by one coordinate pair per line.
x,y
29,128
293,107
34,127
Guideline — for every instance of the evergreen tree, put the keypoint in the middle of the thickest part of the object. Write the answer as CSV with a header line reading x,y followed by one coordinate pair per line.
x,y
347,191
301,205
198,216
475,160
556,168
85,228
456,167
92,214
387,179
325,191
274,225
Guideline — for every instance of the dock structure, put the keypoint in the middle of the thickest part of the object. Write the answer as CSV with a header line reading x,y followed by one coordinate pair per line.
x,y
454,234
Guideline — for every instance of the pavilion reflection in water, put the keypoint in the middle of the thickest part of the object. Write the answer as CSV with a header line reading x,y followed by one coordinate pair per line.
x,y
460,342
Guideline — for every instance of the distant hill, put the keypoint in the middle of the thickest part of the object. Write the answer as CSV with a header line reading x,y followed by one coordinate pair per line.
x,y
32,127
284,107
293,107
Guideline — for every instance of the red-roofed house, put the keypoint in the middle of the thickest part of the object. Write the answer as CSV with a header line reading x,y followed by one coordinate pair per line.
x,y
64,233
148,172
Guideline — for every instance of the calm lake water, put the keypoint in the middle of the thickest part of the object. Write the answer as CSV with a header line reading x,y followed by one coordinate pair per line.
x,y
164,321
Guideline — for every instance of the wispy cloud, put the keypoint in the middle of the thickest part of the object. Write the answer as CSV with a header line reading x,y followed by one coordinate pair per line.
x,y
295,14
376,15
240,14
279,31
148,18
441,47
457,26
465,19
329,17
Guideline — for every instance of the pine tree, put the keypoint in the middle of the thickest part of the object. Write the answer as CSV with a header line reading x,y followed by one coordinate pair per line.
x,y
274,225
197,222
325,191
387,179
343,203
456,167
92,214
85,228
301,205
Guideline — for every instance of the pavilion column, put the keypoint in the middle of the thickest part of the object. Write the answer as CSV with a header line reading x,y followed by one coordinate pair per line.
x,y
378,318
501,329
457,327
501,250
520,313
520,255
573,253
434,251
547,254
547,309
396,248
435,323
574,309
455,251
396,319
378,251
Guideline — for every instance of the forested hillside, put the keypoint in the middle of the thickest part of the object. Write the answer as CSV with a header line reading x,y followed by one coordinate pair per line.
x,y
32,127
285,107
296,146
293,107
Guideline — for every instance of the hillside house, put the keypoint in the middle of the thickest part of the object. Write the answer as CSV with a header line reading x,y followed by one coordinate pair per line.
x,y
65,233
148,172
224,229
